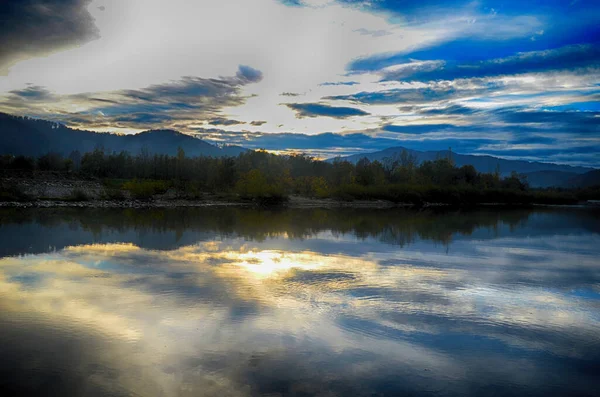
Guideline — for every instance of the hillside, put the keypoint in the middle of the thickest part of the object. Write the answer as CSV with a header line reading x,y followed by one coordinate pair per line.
x,y
542,179
589,179
487,164
31,137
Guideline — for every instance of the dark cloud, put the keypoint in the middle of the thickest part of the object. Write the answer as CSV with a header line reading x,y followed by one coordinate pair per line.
x,y
249,75
424,128
565,58
258,123
455,110
33,93
408,95
347,83
289,94
187,100
224,121
23,100
196,89
142,118
190,94
175,104
572,119
319,109
32,28
534,139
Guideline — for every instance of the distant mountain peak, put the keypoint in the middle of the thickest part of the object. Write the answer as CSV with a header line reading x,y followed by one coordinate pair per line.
x,y
34,137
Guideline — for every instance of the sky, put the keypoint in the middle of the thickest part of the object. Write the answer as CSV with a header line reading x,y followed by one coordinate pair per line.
x,y
514,79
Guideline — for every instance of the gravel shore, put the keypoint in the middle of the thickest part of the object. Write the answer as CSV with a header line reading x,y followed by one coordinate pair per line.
x,y
294,202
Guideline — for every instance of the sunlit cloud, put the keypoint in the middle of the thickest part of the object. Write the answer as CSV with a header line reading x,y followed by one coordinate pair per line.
x,y
312,68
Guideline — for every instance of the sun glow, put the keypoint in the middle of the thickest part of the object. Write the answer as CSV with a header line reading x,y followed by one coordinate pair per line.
x,y
271,263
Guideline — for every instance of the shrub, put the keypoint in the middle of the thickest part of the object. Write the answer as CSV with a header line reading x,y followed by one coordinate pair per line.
x,y
254,186
145,190
189,190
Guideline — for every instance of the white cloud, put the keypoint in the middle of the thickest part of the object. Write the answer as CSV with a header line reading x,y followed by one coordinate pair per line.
x,y
146,42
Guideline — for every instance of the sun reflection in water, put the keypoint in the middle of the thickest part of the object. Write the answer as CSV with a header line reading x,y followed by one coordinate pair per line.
x,y
273,263
228,307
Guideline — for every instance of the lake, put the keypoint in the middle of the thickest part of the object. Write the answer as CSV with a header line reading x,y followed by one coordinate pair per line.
x,y
246,302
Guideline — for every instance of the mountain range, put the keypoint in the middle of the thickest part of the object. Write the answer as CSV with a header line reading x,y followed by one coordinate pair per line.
x,y
34,137
538,174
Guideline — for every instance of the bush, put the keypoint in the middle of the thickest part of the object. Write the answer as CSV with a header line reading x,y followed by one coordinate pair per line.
x,y
254,186
145,190
189,190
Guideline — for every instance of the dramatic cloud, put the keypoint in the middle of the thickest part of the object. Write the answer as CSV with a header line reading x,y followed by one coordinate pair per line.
x,y
572,119
37,27
516,79
319,109
404,95
32,92
189,99
566,58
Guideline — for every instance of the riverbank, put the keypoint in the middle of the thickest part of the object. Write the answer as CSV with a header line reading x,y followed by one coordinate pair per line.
x,y
292,202
55,190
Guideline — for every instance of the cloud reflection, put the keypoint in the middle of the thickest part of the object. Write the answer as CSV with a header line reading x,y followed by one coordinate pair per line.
x,y
305,315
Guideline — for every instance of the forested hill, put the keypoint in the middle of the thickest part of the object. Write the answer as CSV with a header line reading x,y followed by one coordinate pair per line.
x,y
487,164
35,138
31,137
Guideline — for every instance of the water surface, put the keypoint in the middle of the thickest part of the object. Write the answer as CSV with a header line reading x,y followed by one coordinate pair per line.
x,y
240,302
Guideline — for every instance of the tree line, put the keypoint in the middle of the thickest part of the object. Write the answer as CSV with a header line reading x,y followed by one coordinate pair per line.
x,y
262,175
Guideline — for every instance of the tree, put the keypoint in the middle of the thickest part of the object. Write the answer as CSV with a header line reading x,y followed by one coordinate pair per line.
x,y
50,162
75,157
467,174
180,154
252,184
23,163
